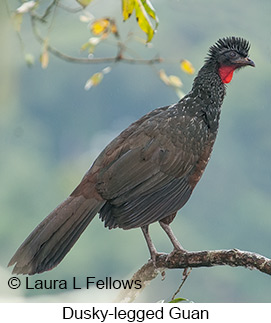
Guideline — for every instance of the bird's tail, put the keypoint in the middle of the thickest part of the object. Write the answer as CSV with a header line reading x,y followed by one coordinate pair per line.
x,y
51,240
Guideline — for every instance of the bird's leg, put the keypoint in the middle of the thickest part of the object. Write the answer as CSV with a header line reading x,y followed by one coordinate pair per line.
x,y
173,239
152,249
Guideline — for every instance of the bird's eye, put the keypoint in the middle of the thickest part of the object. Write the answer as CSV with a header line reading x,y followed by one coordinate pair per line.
x,y
232,54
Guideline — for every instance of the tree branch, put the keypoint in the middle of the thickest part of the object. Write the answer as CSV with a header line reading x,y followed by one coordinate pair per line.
x,y
195,259
85,60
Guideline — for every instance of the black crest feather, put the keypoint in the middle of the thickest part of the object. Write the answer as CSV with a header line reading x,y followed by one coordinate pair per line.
x,y
239,44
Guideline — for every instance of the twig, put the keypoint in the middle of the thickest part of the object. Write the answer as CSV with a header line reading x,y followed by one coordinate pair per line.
x,y
186,273
47,12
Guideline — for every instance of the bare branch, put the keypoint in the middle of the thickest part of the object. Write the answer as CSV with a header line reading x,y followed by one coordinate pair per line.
x,y
85,60
47,12
195,259
99,60
186,273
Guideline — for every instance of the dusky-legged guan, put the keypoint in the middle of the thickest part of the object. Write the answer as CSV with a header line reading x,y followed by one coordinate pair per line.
x,y
147,173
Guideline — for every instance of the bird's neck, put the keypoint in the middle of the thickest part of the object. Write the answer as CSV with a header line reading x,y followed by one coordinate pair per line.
x,y
209,78
209,91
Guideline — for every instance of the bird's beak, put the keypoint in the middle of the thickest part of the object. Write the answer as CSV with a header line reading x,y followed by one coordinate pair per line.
x,y
249,62
245,61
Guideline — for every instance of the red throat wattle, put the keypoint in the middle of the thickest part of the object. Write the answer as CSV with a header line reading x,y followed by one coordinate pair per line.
x,y
226,73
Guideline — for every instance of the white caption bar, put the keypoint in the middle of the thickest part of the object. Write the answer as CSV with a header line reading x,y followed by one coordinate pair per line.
x,y
139,312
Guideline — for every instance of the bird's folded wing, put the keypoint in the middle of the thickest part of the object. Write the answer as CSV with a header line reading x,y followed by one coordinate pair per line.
x,y
149,178
147,158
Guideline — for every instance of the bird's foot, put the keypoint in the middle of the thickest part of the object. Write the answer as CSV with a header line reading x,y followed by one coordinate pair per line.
x,y
179,249
154,256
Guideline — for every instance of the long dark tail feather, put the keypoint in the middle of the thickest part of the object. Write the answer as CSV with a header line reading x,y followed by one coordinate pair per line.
x,y
52,239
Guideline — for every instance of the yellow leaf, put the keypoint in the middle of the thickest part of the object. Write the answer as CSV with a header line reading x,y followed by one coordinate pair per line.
x,y
143,20
97,78
187,67
44,57
94,80
84,3
100,26
163,76
175,81
171,80
144,11
103,27
127,8
17,19
17,16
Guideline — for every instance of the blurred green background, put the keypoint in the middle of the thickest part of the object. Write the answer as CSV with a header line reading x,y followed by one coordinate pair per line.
x,y
51,130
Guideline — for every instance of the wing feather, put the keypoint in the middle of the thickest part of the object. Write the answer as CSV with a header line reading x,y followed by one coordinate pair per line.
x,y
149,179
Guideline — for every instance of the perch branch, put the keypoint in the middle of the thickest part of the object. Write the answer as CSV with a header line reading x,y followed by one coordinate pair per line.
x,y
195,259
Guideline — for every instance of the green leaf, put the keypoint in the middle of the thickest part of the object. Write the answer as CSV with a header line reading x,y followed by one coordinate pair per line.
x,y
143,20
144,11
178,300
150,11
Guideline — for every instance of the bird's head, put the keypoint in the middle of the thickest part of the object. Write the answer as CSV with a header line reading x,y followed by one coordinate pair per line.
x,y
229,54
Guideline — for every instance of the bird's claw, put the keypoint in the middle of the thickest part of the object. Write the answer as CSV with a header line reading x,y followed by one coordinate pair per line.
x,y
154,257
174,251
